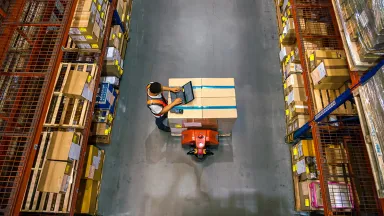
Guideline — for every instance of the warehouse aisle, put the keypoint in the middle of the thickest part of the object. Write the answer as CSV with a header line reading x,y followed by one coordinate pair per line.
x,y
146,171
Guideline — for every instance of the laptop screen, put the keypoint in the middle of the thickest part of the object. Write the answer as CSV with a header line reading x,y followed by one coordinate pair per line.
x,y
188,92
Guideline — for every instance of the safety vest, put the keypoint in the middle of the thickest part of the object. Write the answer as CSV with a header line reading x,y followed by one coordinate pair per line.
x,y
162,102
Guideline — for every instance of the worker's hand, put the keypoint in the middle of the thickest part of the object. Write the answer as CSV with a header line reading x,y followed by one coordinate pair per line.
x,y
177,101
176,89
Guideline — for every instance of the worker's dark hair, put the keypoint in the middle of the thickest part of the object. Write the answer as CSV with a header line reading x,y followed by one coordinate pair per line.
x,y
155,88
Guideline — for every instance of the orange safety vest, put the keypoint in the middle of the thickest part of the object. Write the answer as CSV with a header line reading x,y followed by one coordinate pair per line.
x,y
160,102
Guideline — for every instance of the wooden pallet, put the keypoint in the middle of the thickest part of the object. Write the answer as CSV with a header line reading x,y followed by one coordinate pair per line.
x,y
36,201
66,111
324,97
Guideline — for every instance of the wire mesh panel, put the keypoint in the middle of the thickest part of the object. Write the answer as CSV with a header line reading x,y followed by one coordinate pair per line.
x,y
31,36
350,187
346,181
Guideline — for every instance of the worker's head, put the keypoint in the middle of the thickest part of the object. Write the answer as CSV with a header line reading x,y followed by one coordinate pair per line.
x,y
155,88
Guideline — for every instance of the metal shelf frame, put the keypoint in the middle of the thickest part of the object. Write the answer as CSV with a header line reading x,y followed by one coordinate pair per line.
x,y
32,38
344,138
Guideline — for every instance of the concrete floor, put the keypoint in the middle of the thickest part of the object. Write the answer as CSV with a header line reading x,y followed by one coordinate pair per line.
x,y
146,171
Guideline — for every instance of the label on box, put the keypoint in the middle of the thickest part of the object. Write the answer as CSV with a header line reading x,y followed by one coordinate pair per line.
x,y
306,202
192,124
91,173
321,70
96,161
74,31
84,46
78,38
363,18
96,30
74,151
290,97
301,166
294,151
88,90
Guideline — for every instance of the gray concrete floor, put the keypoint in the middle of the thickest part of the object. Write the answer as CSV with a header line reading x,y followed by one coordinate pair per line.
x,y
146,171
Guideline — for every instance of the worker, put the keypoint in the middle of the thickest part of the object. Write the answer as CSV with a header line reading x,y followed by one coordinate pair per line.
x,y
158,105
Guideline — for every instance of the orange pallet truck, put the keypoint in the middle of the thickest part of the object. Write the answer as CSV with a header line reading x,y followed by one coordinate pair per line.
x,y
200,141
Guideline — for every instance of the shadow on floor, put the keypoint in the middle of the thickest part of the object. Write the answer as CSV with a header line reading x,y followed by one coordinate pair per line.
x,y
160,145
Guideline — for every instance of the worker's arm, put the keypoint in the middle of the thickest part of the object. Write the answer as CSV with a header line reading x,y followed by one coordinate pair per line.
x,y
174,89
176,102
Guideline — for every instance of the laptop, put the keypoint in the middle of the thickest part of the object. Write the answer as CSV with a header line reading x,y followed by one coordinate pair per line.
x,y
186,93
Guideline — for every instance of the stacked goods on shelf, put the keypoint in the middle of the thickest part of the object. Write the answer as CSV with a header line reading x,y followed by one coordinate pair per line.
x,y
329,76
361,23
63,150
214,106
51,182
89,23
104,113
372,96
112,71
56,165
305,178
90,181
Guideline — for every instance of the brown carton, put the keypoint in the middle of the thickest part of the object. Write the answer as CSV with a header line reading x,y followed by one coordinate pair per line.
x,y
75,83
55,177
316,28
331,71
223,110
218,87
293,81
295,95
94,163
317,56
87,198
64,146
306,199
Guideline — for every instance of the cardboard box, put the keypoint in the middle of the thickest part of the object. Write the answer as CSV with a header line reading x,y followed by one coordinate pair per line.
x,y
295,95
196,83
293,81
285,51
292,68
222,109
116,37
75,83
306,196
106,97
87,197
297,122
288,36
94,163
64,146
111,80
113,64
336,155
297,108
218,87
331,71
55,177
191,118
306,148
316,28
100,128
317,56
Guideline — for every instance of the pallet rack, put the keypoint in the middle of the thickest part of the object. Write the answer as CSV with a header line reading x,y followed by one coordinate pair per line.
x,y
339,137
33,43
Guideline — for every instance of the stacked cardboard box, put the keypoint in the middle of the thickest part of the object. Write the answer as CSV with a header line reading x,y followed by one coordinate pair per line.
x,y
63,151
88,24
113,64
78,84
296,107
329,68
288,37
104,114
90,182
214,106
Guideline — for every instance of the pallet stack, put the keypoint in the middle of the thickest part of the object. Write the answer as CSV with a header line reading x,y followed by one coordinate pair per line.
x,y
112,72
